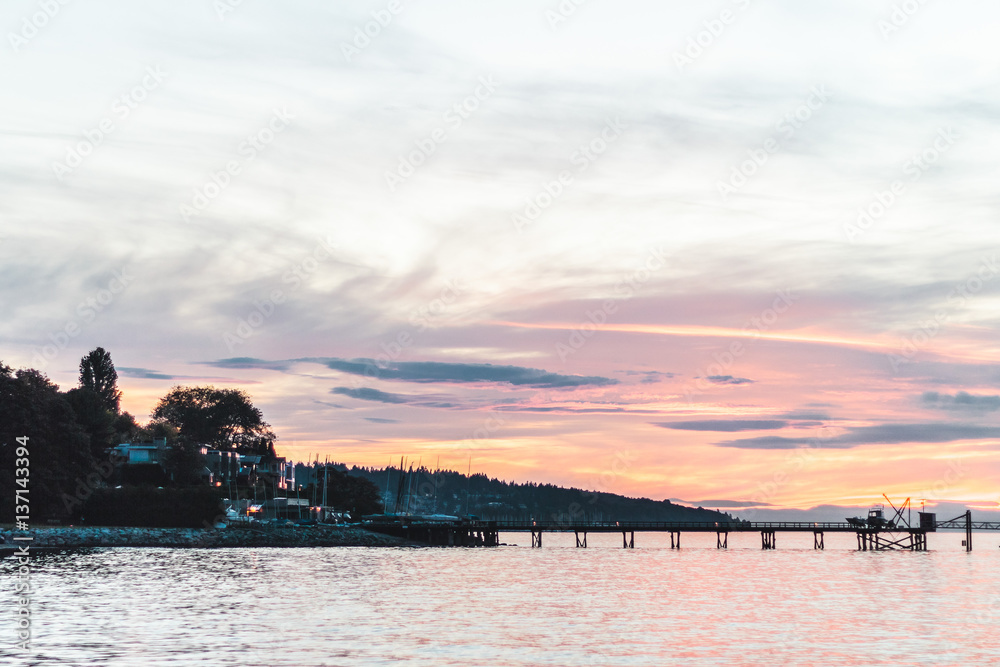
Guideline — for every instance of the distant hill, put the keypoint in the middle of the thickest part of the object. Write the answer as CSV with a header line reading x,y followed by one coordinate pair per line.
x,y
424,491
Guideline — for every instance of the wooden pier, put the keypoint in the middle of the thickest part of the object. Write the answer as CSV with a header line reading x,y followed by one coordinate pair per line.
x,y
869,538
474,532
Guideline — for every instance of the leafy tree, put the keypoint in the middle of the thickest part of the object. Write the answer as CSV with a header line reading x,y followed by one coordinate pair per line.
x,y
61,464
184,463
219,418
94,417
98,374
126,428
157,430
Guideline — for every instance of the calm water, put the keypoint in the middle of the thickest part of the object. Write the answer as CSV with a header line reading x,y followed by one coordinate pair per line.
x,y
518,606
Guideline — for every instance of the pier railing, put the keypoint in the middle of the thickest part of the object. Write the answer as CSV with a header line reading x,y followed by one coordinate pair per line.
x,y
675,526
875,536
959,524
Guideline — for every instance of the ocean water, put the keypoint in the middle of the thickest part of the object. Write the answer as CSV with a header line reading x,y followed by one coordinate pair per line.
x,y
514,605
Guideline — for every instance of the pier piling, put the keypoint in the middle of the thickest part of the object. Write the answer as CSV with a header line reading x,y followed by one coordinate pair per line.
x,y
767,540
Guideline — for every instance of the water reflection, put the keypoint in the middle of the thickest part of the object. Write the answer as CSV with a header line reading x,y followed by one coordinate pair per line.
x,y
519,606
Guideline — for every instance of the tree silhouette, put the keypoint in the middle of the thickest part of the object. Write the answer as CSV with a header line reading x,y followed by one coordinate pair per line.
x,y
220,418
98,374
61,462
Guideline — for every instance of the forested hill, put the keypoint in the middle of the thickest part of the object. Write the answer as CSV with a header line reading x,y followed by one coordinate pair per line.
x,y
447,492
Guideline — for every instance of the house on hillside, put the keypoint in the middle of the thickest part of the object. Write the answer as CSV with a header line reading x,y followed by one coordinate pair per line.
x,y
132,453
272,471
224,466
142,462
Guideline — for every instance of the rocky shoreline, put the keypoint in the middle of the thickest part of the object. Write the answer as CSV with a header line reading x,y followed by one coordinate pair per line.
x,y
75,537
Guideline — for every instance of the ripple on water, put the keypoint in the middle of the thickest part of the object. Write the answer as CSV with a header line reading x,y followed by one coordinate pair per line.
x,y
516,606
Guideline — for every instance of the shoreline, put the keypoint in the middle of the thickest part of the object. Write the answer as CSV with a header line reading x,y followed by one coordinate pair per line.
x,y
79,537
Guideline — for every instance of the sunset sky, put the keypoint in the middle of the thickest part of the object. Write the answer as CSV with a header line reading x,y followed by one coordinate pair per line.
x,y
735,253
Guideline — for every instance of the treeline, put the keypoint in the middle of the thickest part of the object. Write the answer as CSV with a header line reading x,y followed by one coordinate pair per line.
x,y
351,493
70,436
423,491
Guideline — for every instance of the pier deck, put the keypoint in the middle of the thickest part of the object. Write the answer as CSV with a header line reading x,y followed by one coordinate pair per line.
x,y
474,532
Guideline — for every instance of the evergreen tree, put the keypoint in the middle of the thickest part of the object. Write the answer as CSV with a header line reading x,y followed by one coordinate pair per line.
x,y
98,374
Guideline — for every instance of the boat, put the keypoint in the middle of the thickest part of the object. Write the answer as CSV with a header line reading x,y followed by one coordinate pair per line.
x,y
876,519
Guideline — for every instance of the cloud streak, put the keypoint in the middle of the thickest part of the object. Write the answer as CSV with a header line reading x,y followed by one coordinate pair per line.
x,y
725,425
462,373
728,379
882,434
961,401
143,373
369,394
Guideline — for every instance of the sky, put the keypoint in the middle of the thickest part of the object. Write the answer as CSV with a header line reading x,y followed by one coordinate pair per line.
x,y
737,253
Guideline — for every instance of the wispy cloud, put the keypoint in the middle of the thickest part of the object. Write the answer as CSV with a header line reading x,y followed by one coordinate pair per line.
x,y
431,371
561,409
369,394
143,373
435,371
961,401
882,434
797,415
150,374
378,396
720,504
725,425
248,363
728,379
650,377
